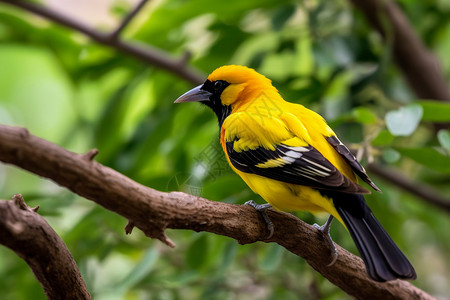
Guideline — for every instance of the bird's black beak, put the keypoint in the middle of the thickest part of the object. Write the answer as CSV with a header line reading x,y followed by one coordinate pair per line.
x,y
194,95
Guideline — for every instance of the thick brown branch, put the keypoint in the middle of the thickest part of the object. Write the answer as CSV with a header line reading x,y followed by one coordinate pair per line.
x,y
29,235
145,53
417,189
419,66
153,211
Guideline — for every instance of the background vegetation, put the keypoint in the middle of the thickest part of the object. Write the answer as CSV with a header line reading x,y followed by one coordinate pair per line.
x,y
74,92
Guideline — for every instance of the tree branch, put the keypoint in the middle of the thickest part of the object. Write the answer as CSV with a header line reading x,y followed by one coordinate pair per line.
x,y
146,53
417,189
153,211
29,236
419,66
115,34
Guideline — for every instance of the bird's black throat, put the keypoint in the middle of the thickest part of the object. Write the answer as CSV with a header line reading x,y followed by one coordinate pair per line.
x,y
216,88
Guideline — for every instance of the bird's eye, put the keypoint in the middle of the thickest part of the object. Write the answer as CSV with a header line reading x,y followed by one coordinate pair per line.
x,y
218,85
215,87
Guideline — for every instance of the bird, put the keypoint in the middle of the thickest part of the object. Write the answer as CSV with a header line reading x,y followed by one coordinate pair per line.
x,y
288,155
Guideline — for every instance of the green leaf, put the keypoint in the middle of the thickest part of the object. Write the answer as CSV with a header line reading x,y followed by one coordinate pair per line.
x,y
281,16
197,252
141,270
383,138
428,157
444,138
404,121
391,156
229,255
435,111
364,115
272,259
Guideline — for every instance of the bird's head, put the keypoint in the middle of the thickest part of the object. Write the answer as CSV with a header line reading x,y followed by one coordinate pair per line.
x,y
226,88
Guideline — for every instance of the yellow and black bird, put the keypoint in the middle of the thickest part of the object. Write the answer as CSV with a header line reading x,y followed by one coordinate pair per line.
x,y
290,156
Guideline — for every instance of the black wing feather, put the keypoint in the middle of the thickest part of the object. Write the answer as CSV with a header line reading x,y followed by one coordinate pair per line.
x,y
383,259
351,160
302,166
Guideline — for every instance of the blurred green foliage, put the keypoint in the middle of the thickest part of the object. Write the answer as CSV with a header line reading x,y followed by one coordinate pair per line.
x,y
71,91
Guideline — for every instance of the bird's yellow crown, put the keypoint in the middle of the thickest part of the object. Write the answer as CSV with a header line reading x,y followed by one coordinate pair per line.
x,y
243,82
238,74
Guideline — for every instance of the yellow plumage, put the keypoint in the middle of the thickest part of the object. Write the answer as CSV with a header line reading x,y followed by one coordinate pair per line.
x,y
290,156
260,117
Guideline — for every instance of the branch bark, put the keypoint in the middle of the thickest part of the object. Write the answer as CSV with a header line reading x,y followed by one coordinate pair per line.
x,y
419,66
30,237
145,53
153,211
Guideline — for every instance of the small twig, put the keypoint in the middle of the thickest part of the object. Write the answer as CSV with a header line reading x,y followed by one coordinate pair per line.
x,y
115,34
184,59
90,155
19,202
419,190
142,52
129,227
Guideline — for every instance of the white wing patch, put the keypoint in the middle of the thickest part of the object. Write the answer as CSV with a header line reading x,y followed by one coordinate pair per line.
x,y
293,154
295,165
299,149
313,170
288,159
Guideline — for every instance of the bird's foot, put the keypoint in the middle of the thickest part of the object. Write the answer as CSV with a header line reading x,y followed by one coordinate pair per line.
x,y
262,208
325,229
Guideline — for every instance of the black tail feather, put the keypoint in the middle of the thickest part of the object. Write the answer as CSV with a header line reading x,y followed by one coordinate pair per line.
x,y
383,259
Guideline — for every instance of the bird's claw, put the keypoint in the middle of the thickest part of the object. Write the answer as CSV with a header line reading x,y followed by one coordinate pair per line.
x,y
325,230
261,209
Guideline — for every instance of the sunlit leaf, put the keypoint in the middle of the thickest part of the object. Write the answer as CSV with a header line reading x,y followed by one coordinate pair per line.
x,y
444,138
404,121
